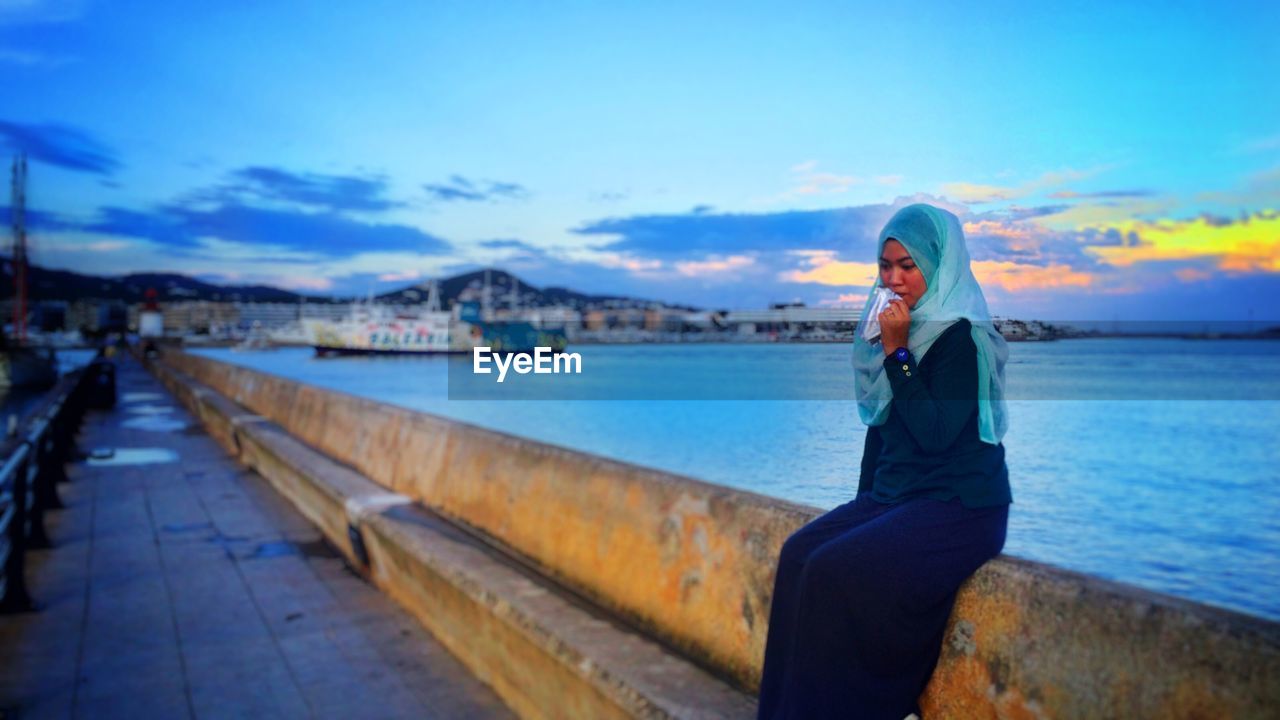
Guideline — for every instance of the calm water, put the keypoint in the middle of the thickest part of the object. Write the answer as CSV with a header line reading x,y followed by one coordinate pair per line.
x,y
21,401
1163,488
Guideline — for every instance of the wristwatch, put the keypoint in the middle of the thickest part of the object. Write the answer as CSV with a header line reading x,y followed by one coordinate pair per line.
x,y
901,354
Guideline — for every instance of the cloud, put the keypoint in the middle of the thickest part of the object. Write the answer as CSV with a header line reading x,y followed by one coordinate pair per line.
x,y
320,234
1118,254
507,190
714,265
158,227
1026,270
697,234
634,265
850,231
1221,220
1027,265
39,220
1015,213
967,192
337,193
62,245
591,277
507,243
1019,238
1260,145
41,12
1015,277
1103,213
1169,291
726,281
520,246
1259,189
323,233
32,59
825,184
460,189
59,145
410,275
1072,195
1249,245
701,234
829,271
974,193
807,181
1192,274
844,300
300,282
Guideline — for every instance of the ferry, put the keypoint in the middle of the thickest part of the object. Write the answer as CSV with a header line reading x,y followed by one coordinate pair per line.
x,y
378,329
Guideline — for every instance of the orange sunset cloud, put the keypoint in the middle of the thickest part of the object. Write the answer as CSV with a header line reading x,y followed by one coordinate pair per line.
x,y
1008,275
714,265
1251,245
834,272
1020,276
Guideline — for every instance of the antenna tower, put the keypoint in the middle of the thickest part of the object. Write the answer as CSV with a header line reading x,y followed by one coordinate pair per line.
x,y
19,260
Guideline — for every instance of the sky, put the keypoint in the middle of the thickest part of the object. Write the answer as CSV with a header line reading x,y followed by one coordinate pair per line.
x,y
1109,160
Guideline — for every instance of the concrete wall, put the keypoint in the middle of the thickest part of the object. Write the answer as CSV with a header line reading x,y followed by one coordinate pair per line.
x,y
693,564
545,652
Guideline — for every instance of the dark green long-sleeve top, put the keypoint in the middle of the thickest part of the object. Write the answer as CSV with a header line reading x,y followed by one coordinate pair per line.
x,y
929,445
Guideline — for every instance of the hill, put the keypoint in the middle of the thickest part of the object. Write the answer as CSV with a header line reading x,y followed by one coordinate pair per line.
x,y
66,285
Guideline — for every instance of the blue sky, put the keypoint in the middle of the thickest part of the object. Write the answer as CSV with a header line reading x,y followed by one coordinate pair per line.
x,y
1108,159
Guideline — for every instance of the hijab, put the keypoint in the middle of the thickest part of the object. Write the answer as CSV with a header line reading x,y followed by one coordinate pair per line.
x,y
934,239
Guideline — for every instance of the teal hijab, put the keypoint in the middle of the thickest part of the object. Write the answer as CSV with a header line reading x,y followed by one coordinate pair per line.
x,y
935,241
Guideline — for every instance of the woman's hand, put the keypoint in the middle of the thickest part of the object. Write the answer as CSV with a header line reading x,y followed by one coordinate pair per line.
x,y
895,322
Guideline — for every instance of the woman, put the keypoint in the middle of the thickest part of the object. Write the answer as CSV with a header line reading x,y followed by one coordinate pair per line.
x,y
863,593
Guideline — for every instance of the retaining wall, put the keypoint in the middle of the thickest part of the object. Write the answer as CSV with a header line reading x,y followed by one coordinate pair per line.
x,y
692,564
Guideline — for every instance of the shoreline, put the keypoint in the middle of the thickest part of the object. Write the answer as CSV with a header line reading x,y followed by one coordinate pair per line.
x,y
809,341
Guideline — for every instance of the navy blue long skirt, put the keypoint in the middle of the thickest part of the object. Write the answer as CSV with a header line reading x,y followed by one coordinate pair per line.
x,y
860,604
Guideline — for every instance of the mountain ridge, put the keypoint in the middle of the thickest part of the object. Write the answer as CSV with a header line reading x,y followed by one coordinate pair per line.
x,y
67,285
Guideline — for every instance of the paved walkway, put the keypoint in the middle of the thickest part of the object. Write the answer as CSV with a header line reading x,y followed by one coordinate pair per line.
x,y
187,588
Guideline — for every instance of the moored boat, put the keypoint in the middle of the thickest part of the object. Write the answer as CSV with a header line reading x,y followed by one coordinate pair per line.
x,y
378,329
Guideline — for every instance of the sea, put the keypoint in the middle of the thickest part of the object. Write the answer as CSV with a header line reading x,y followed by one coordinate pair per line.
x,y
1151,461
15,403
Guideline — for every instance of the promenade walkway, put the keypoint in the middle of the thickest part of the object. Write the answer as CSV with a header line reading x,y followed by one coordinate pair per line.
x,y
181,585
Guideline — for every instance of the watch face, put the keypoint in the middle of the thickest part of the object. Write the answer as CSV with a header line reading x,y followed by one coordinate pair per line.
x,y
902,353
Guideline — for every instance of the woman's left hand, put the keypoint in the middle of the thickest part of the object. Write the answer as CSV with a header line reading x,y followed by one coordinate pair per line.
x,y
895,324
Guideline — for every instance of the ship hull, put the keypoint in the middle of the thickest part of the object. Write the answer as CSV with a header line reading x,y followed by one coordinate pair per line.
x,y
430,335
328,350
434,333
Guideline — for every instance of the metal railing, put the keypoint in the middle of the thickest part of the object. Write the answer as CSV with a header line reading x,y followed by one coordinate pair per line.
x,y
33,464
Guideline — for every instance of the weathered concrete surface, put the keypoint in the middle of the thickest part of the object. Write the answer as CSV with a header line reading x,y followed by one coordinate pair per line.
x,y
190,588
690,561
693,563
559,657
548,654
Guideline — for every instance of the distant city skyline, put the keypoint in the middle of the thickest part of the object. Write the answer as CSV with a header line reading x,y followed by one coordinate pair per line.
x,y
1109,161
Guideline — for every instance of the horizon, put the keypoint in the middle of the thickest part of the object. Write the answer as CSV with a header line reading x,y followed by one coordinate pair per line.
x,y
735,156
1102,327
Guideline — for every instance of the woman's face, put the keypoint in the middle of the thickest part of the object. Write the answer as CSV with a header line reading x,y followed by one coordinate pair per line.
x,y
899,273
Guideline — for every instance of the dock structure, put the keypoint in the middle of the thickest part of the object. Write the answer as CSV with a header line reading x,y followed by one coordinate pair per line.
x,y
179,584
568,585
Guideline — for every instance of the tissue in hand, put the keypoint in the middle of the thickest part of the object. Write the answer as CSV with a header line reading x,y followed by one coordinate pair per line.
x,y
871,328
